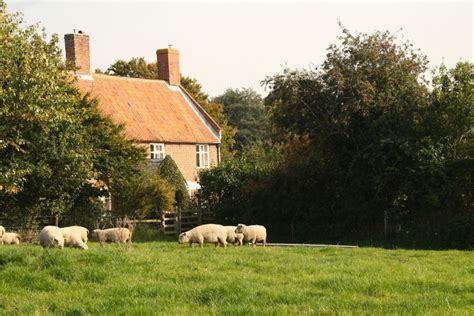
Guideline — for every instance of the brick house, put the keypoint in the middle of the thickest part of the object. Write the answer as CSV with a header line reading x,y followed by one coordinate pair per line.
x,y
158,114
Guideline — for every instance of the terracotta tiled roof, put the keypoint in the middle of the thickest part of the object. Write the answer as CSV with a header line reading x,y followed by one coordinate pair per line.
x,y
151,109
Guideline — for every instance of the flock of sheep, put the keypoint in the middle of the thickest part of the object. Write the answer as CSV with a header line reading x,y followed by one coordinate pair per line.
x,y
218,234
77,236
72,236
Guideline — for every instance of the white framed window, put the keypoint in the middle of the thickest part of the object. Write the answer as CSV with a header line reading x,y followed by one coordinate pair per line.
x,y
157,151
202,156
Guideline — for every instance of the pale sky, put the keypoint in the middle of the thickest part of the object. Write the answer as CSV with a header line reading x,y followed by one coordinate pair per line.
x,y
237,44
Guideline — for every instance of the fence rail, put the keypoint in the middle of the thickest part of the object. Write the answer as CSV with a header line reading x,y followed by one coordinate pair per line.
x,y
171,223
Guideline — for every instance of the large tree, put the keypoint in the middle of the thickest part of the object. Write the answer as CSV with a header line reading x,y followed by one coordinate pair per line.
x,y
135,68
245,110
55,147
376,138
373,152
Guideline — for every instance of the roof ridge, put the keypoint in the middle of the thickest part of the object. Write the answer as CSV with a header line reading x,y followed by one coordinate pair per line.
x,y
128,78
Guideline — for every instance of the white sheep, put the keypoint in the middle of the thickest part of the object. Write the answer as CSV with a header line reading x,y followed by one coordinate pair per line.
x,y
82,231
11,239
116,235
51,236
2,231
209,233
253,233
74,240
233,237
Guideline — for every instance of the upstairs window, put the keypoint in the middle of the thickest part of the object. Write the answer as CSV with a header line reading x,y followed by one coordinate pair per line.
x,y
202,156
157,151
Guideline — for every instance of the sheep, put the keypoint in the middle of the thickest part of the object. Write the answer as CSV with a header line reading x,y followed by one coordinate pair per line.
x,y
82,231
51,236
210,233
253,233
2,231
117,235
233,237
11,239
74,240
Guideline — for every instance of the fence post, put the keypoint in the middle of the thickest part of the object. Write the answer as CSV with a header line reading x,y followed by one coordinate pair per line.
x,y
56,220
178,228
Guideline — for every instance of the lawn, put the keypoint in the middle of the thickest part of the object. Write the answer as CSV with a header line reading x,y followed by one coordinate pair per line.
x,y
167,278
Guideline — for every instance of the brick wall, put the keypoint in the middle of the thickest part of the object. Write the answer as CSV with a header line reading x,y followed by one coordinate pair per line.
x,y
185,157
77,51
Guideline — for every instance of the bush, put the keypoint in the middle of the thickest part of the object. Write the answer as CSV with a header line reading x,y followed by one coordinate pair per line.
x,y
169,172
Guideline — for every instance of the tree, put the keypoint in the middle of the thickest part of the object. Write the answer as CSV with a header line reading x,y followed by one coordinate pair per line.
x,y
244,109
168,171
135,68
195,89
53,141
225,189
375,135
146,194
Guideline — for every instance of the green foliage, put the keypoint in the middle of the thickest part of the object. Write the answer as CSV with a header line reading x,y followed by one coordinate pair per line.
x,y
165,278
377,143
145,194
370,151
135,68
195,89
53,141
453,109
244,109
168,171
226,188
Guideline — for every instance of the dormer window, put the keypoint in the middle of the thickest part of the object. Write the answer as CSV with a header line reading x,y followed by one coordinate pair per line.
x,y
157,151
202,156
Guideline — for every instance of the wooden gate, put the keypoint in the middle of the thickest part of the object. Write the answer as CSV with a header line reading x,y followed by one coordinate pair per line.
x,y
179,221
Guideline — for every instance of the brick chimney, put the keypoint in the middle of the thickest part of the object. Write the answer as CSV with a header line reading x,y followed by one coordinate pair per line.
x,y
168,65
77,51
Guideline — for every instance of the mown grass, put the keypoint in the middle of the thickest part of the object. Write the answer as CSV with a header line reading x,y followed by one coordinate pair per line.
x,y
166,278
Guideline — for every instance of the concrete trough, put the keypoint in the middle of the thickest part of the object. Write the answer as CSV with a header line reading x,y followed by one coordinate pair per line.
x,y
308,245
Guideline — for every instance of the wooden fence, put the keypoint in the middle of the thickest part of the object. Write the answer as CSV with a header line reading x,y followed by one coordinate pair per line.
x,y
172,223
179,221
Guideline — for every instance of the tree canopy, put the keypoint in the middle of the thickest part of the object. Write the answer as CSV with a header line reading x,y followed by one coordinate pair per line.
x,y
168,171
56,148
135,68
373,152
244,110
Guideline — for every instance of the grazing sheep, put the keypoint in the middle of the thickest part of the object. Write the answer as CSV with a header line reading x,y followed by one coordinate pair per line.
x,y
233,237
11,239
116,235
210,233
2,231
51,236
253,233
74,240
82,231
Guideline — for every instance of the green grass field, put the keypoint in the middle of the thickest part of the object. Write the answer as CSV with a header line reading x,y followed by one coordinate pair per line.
x,y
167,278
